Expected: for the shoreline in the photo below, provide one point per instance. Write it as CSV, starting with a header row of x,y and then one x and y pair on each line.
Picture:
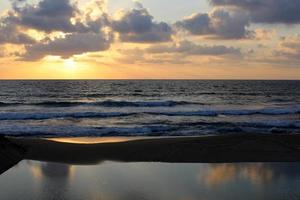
x,y
205,149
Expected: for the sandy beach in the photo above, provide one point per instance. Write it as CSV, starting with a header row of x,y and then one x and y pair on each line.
x,y
206,149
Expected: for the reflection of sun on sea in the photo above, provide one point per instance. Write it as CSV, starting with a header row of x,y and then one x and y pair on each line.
x,y
70,64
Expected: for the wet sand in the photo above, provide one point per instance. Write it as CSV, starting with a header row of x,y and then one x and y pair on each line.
x,y
207,149
10,154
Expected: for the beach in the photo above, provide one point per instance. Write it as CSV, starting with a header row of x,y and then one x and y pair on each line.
x,y
205,149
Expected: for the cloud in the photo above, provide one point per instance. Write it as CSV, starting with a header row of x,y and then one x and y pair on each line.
x,y
141,56
266,11
47,15
10,34
188,48
56,15
87,35
2,54
72,44
263,34
137,26
177,54
289,49
285,54
219,24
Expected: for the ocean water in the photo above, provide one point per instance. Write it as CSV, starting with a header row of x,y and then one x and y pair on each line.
x,y
148,108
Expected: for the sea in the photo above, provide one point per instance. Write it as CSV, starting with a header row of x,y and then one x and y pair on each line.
x,y
103,108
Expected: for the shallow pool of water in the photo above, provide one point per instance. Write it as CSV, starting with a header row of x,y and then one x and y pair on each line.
x,y
113,180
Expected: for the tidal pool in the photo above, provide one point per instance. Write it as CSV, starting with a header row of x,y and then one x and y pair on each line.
x,y
114,180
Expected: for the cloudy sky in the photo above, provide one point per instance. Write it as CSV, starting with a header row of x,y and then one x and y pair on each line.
x,y
178,39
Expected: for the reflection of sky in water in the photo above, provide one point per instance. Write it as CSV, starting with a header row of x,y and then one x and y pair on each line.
x,y
40,180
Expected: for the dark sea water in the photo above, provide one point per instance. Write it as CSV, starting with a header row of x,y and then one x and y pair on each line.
x,y
148,108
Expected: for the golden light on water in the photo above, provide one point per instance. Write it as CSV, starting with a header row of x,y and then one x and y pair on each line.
x,y
93,140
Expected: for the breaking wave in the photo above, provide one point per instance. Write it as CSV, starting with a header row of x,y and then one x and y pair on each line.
x,y
207,113
107,103
180,129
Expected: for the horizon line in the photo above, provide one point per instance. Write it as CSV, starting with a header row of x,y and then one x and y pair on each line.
x,y
148,79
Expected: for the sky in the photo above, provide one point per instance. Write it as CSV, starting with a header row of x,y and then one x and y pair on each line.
x,y
149,39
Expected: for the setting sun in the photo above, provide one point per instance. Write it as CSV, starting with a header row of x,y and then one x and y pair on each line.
x,y
70,64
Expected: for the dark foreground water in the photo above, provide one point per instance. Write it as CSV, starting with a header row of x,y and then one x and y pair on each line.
x,y
143,108
137,181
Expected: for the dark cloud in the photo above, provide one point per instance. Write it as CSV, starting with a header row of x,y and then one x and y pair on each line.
x,y
220,24
138,26
54,15
47,15
189,48
198,24
73,44
266,11
10,34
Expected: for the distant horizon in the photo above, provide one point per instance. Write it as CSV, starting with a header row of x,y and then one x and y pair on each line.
x,y
150,79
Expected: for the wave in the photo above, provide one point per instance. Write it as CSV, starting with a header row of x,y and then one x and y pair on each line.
x,y
2,104
258,124
233,112
276,124
107,103
110,103
52,115
181,129
76,131
204,113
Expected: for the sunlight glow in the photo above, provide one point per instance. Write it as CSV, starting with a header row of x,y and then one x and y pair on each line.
x,y
70,64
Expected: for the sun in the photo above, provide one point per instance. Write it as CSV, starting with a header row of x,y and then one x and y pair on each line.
x,y
70,64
